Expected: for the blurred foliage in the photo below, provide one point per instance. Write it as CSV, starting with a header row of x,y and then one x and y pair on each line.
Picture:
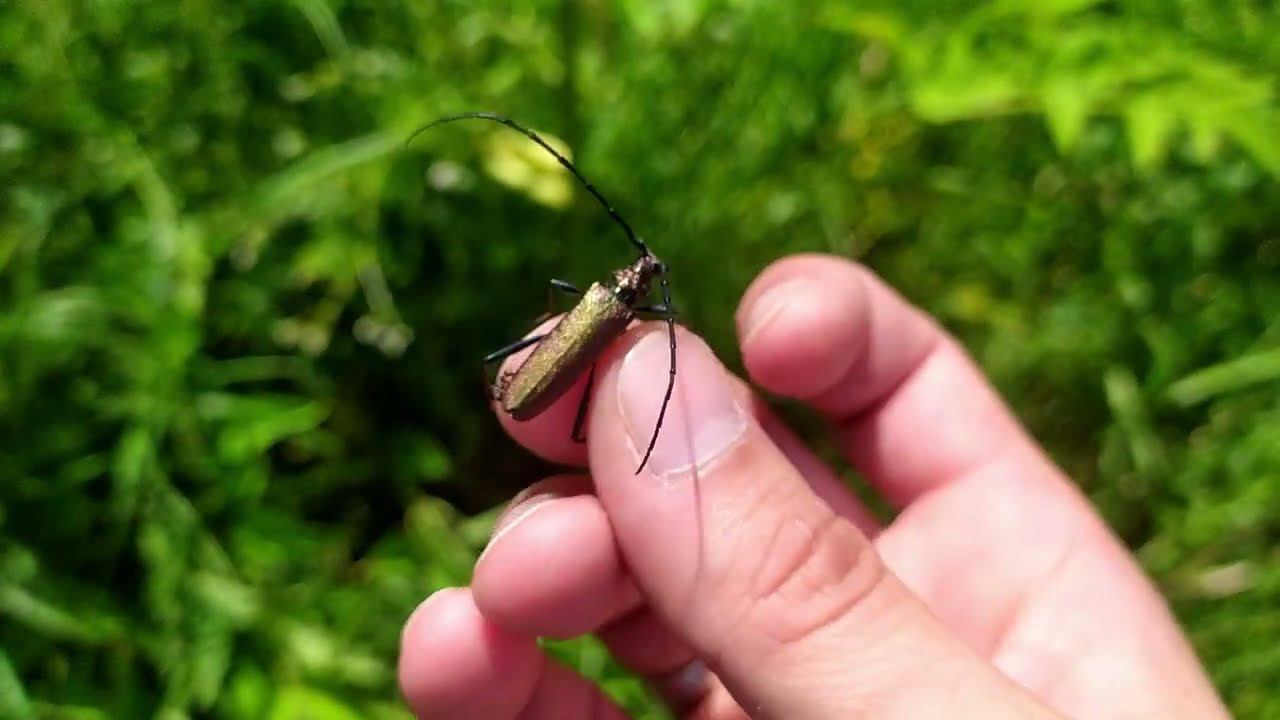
x,y
243,428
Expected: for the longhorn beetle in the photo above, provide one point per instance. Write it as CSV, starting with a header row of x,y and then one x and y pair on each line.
x,y
601,315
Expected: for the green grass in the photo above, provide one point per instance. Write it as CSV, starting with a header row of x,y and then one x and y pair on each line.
x,y
239,390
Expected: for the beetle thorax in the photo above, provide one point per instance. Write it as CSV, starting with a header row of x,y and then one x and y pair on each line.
x,y
632,282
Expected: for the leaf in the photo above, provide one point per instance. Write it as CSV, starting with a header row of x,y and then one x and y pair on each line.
x,y
422,457
952,81
298,702
47,619
210,653
1151,124
1230,376
872,25
248,693
228,598
1125,398
249,424
50,711
283,194
331,256
657,19
388,711
1066,108
133,458
326,657
1259,133
13,697
513,161
325,24
1206,136
62,316
1044,9
430,524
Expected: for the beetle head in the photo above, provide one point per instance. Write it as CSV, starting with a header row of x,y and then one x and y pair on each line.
x,y
632,282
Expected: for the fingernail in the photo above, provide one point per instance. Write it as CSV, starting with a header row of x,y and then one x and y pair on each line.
x,y
767,308
519,512
416,616
702,419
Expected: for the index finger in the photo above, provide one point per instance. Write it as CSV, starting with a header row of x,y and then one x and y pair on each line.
x,y
912,410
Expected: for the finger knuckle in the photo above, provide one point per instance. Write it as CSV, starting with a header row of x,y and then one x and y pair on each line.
x,y
817,568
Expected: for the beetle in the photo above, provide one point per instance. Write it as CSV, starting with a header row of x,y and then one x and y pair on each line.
x,y
602,314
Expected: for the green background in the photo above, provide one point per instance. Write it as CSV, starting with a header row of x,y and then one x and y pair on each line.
x,y
242,427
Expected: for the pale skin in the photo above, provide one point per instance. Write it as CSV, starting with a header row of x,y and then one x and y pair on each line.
x,y
997,592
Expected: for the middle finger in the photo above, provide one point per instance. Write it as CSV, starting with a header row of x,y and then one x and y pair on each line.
x,y
552,567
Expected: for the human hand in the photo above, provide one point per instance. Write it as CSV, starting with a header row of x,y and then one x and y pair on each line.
x,y
739,575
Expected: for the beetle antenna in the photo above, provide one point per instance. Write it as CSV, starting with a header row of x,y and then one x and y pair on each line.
x,y
671,377
631,235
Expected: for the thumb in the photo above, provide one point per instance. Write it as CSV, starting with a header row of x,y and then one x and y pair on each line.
x,y
787,602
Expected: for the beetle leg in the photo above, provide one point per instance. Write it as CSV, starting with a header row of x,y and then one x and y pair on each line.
x,y
563,286
512,349
580,419
660,311
495,388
